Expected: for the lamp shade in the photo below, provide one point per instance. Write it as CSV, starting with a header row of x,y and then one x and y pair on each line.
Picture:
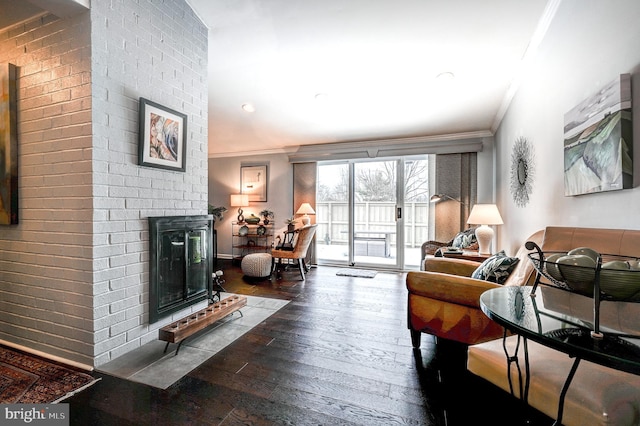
x,y
305,208
485,214
239,200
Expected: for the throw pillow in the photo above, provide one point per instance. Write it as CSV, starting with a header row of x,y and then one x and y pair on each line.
x,y
464,239
496,268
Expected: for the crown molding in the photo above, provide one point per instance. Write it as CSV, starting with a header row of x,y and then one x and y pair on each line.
x,y
420,145
525,64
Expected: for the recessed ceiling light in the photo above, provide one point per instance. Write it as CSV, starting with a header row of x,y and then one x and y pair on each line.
x,y
448,75
248,108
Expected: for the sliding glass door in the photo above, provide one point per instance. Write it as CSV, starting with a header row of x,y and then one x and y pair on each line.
x,y
361,212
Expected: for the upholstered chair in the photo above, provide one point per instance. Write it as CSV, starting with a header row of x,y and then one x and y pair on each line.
x,y
463,240
299,253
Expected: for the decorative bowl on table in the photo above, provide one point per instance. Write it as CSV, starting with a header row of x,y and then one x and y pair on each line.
x,y
453,250
252,220
579,272
618,281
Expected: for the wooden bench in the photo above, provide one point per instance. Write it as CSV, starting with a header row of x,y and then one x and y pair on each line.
x,y
178,331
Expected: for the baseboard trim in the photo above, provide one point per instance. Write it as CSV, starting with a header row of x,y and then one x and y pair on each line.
x,y
46,355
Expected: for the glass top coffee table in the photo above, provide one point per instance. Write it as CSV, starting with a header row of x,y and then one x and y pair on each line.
x,y
564,321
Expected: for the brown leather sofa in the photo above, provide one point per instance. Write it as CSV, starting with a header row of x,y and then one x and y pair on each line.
x,y
443,301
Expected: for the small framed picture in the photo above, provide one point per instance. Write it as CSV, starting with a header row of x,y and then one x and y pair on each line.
x,y
253,181
163,137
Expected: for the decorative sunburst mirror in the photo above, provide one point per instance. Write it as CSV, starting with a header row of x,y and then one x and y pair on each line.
x,y
522,170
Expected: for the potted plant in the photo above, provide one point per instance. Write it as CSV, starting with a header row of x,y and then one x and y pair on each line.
x,y
291,224
267,215
216,212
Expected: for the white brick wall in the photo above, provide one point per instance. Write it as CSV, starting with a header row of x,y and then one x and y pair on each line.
x,y
156,50
46,261
74,273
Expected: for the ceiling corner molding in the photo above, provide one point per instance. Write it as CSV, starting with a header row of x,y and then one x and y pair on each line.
x,y
63,8
286,151
199,15
538,35
381,148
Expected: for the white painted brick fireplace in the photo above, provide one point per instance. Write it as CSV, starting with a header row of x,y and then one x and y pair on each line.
x,y
74,272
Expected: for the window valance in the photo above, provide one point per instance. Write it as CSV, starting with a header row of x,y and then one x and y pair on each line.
x,y
389,148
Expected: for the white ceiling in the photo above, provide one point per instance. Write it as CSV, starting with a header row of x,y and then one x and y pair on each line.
x,y
374,61
373,64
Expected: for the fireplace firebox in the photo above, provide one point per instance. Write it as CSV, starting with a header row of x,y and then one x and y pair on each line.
x,y
181,263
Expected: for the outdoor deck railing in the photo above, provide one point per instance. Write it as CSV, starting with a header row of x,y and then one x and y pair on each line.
x,y
332,218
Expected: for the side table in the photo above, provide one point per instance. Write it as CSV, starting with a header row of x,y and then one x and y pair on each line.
x,y
467,255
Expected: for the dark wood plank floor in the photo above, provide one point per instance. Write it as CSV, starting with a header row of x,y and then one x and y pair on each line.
x,y
338,354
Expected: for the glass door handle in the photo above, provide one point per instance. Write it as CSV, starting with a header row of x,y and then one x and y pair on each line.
x,y
398,213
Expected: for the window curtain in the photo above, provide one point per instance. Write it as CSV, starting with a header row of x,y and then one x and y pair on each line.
x,y
456,176
304,191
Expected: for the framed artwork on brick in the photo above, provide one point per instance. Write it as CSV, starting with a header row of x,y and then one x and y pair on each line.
x,y
8,146
163,137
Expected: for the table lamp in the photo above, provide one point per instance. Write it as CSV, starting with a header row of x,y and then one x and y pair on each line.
x,y
306,209
484,215
240,201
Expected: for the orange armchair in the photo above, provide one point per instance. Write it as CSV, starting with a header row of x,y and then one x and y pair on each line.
x,y
444,301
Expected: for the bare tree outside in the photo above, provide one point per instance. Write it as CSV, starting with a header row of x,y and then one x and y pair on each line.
x,y
333,183
416,174
376,182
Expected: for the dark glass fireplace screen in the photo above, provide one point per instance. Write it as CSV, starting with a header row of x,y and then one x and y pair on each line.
x,y
180,263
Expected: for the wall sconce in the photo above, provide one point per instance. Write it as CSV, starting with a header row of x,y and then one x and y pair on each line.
x,y
240,201
484,215
306,209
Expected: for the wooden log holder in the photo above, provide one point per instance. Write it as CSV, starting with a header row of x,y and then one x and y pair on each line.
x,y
178,331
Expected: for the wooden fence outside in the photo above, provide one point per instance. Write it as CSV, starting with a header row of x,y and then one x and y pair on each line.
x,y
332,218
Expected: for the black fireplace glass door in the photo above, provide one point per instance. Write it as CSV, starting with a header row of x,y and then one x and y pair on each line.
x,y
197,262
171,273
180,263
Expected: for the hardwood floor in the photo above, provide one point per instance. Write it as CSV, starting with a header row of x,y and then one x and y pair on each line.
x,y
338,354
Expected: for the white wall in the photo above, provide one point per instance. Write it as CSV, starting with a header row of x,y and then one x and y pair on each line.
x,y
589,43
224,180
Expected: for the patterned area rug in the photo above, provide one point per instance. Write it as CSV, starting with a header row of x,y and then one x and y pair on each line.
x,y
25,379
348,272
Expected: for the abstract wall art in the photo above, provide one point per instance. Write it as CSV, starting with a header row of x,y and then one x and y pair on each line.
x,y
163,137
253,181
598,142
8,146
522,171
